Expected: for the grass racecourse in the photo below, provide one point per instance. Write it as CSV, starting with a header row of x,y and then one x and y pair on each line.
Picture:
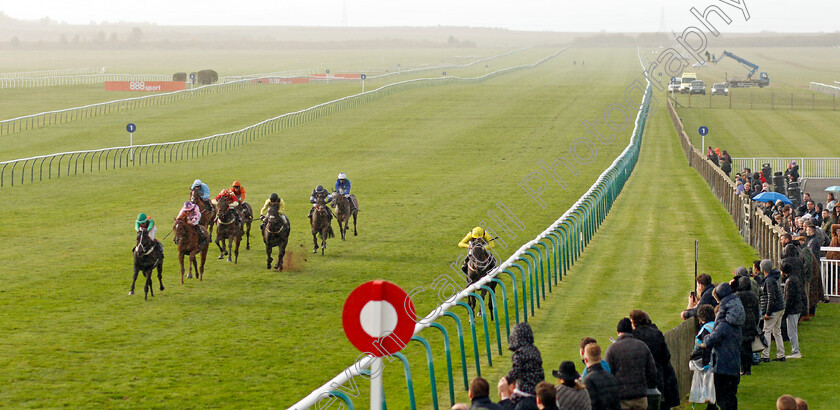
x,y
426,165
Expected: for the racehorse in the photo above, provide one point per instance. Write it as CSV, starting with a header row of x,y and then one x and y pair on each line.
x,y
247,217
343,213
189,244
208,212
147,257
478,264
321,223
275,234
230,230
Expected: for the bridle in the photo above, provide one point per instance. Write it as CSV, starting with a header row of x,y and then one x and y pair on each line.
x,y
232,218
271,220
142,233
475,263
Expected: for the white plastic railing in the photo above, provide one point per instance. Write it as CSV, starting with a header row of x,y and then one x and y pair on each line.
x,y
54,72
830,270
825,88
814,168
50,81
356,369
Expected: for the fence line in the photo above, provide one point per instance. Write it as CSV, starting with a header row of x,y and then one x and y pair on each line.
x,y
282,74
830,269
814,168
51,81
760,99
55,72
825,88
562,242
138,155
44,119
755,227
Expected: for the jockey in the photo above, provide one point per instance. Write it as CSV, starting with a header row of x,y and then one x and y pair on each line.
x,y
232,200
148,223
193,216
237,190
342,186
476,233
203,191
274,199
319,193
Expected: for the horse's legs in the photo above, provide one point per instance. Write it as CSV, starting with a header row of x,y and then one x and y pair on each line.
x,y
181,259
315,241
193,263
160,274
221,249
200,273
147,286
248,236
323,241
228,242
354,224
268,259
237,239
131,292
281,248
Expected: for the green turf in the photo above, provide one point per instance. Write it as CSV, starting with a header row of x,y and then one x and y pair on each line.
x,y
426,166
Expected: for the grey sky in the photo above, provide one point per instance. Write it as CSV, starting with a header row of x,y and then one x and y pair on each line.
x,y
551,15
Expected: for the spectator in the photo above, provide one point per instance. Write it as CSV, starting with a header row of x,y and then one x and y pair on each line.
x,y
778,220
747,188
801,404
570,393
706,317
546,396
814,286
633,367
512,398
704,282
583,343
527,361
772,308
757,275
815,242
786,402
827,221
726,163
700,359
739,187
795,307
601,385
749,300
725,342
803,206
754,286
790,254
666,378
480,396
792,173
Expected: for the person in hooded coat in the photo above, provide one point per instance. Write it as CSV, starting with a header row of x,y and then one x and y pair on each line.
x,y
725,342
527,362
742,288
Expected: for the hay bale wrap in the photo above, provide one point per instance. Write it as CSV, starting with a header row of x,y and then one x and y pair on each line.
x,y
179,77
206,77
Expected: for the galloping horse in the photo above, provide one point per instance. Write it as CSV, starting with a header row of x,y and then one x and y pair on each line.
x,y
247,217
276,233
478,264
343,213
321,223
208,214
230,230
189,244
147,257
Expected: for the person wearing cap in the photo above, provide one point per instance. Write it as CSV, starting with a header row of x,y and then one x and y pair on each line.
x,y
476,234
203,191
342,187
238,191
192,215
143,221
600,384
570,393
273,199
233,201
633,366
725,342
317,194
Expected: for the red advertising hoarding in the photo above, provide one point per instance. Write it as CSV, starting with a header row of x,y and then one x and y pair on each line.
x,y
145,85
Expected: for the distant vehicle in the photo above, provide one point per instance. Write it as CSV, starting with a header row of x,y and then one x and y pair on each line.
x,y
720,89
687,78
763,78
674,86
697,87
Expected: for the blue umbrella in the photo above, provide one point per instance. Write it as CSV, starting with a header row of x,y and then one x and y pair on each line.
x,y
834,188
772,197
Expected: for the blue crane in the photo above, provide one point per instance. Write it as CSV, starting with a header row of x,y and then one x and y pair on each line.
x,y
763,80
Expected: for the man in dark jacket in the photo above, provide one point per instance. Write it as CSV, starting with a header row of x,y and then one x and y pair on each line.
x,y
704,281
601,385
512,398
750,328
795,307
725,342
772,306
480,395
666,378
633,367
527,362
